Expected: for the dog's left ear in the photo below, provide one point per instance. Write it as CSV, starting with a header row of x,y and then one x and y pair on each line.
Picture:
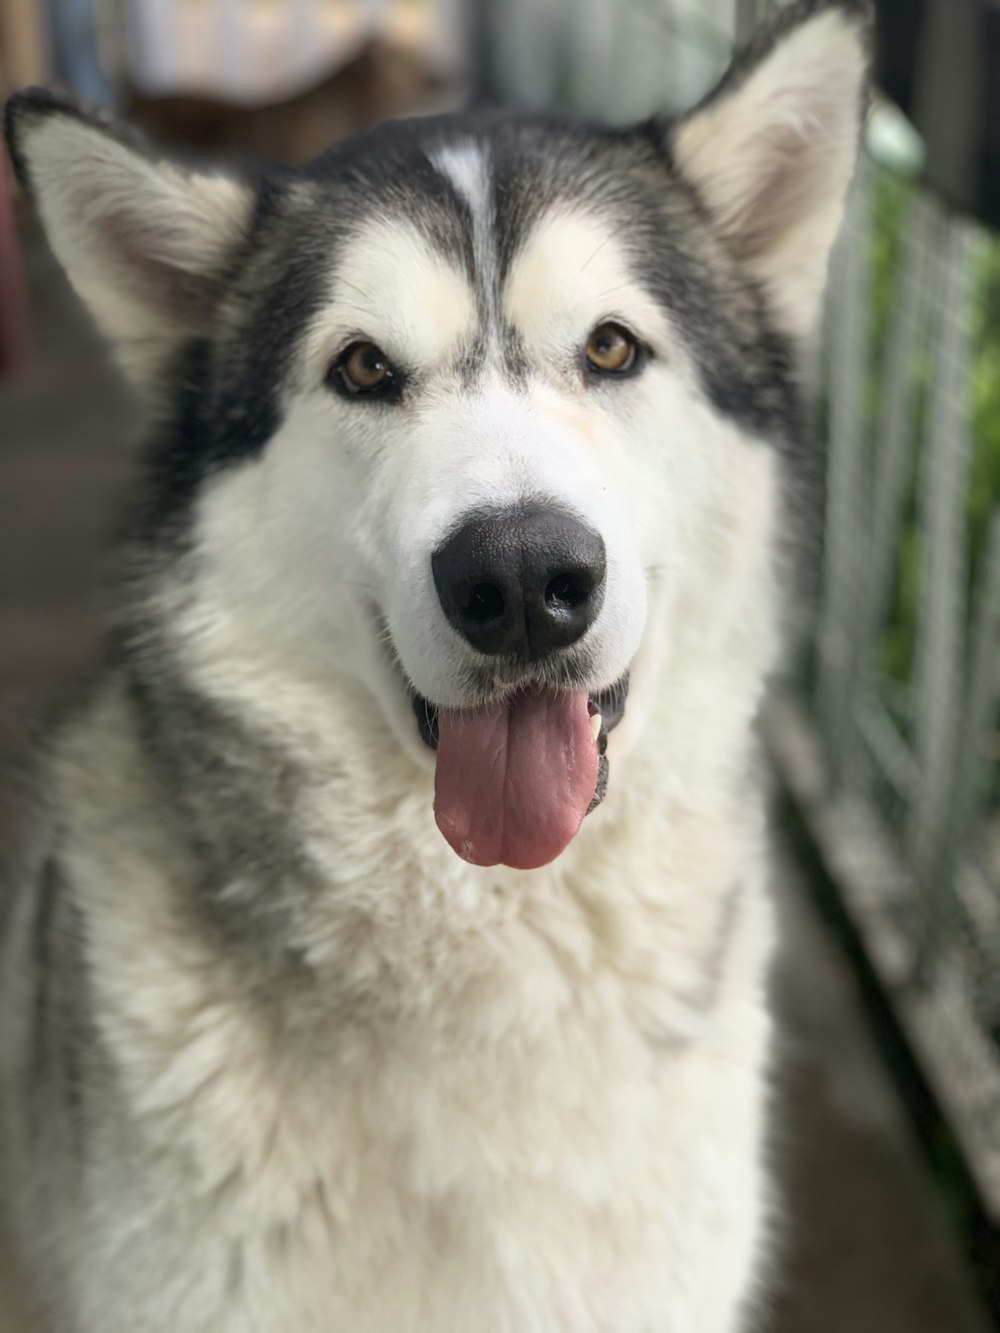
x,y
143,239
772,150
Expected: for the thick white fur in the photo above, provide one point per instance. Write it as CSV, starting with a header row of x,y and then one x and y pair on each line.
x,y
515,1116
522,1103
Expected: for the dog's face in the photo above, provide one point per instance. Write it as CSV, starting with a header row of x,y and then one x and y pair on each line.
x,y
477,409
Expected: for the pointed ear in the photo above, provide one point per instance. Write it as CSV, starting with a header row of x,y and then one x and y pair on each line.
x,y
772,150
143,240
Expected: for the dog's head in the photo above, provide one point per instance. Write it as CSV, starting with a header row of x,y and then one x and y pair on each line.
x,y
478,408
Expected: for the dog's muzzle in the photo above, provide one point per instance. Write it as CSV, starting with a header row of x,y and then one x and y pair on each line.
x,y
517,773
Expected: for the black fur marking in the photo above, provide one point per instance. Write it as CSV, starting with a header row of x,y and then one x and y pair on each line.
x,y
601,789
225,391
388,173
49,885
232,792
516,365
48,893
472,362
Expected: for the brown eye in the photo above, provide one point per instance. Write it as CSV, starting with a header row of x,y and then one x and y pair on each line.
x,y
610,350
363,370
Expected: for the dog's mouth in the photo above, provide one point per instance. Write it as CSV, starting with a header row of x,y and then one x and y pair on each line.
x,y
515,778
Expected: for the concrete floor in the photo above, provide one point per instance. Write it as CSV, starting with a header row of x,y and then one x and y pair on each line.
x,y
864,1248
866,1244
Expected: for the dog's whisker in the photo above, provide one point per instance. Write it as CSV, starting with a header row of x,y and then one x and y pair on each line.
x,y
610,291
588,262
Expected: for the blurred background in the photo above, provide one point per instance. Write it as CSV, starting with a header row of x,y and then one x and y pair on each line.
x,y
886,735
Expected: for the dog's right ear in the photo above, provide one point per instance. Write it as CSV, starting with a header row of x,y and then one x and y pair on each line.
x,y
772,149
143,240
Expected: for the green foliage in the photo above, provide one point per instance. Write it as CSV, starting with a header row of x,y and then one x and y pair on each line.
x,y
984,472
891,200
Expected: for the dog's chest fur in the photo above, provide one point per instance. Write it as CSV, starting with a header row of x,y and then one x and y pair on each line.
x,y
500,1193
509,1114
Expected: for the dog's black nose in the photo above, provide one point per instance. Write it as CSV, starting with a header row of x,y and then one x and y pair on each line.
x,y
525,581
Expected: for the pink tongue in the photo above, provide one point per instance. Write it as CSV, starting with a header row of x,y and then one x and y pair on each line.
x,y
514,781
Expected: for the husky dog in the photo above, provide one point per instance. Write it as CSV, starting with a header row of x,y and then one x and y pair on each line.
x,y
388,951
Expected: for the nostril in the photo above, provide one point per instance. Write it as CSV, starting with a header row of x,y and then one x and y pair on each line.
x,y
569,591
484,603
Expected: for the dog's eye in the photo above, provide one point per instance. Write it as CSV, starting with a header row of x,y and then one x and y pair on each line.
x,y
362,371
611,350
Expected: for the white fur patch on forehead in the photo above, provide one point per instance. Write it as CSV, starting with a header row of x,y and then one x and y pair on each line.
x,y
392,286
467,167
571,274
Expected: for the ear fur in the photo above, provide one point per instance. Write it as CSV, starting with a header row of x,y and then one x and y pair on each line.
x,y
771,151
143,239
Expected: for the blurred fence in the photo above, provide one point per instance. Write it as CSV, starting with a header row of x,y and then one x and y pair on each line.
x,y
894,737
906,694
